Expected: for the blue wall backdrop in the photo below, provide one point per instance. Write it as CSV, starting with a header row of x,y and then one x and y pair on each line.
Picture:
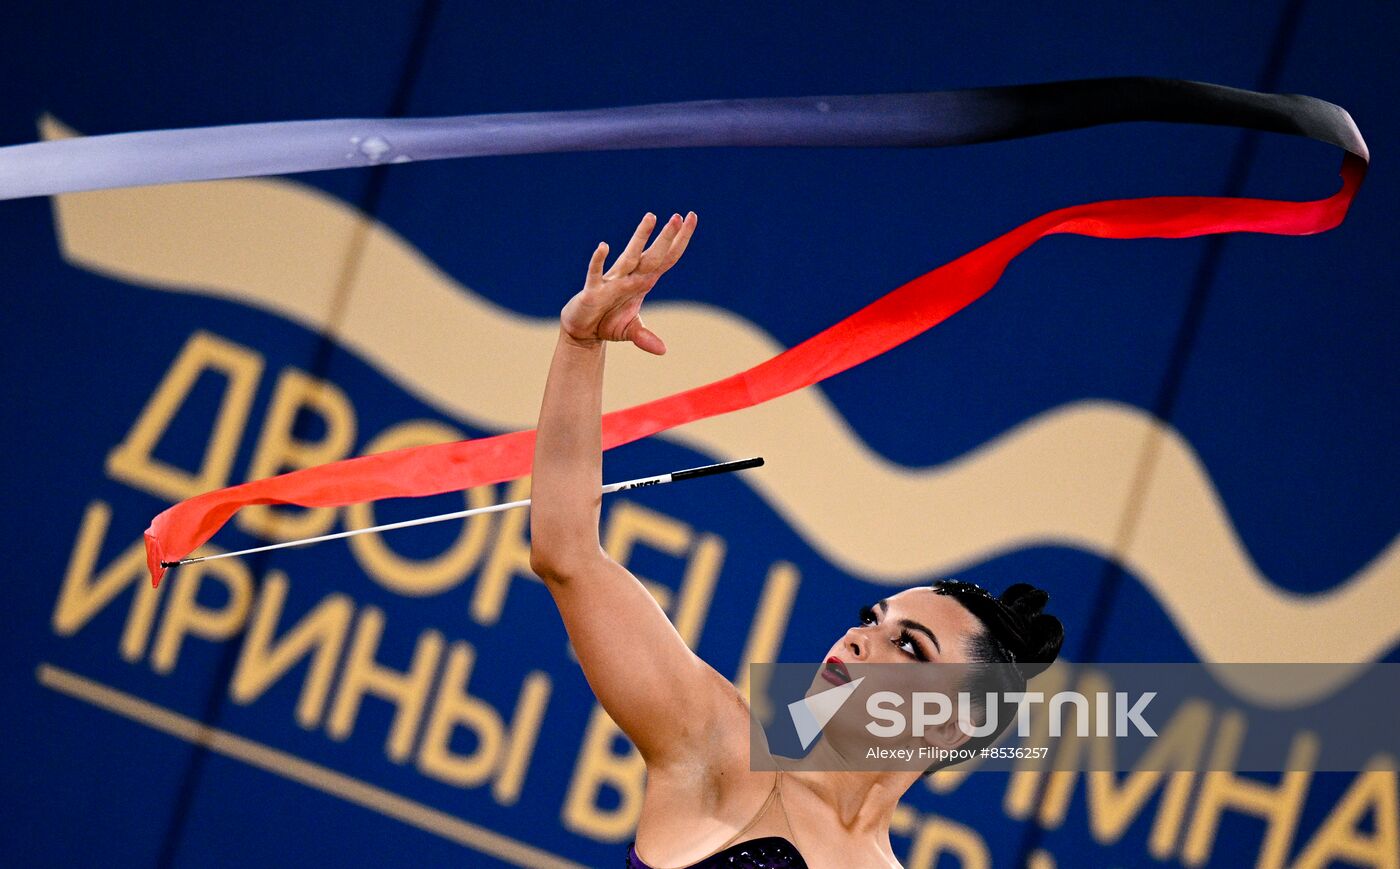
x,y
1189,443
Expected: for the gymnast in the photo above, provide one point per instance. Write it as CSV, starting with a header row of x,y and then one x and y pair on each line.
x,y
705,805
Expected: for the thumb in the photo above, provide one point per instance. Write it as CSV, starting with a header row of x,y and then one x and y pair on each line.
x,y
646,339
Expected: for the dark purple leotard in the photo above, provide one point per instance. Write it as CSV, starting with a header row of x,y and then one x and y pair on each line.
x,y
770,852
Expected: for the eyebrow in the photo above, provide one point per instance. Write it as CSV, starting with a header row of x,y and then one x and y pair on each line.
x,y
915,626
911,625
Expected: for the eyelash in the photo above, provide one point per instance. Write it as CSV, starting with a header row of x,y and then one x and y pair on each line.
x,y
868,617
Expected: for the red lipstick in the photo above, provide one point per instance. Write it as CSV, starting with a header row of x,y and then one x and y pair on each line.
x,y
835,671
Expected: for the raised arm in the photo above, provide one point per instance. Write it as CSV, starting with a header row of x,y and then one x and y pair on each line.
x,y
656,689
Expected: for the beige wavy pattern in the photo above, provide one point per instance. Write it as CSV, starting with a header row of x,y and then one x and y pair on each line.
x,y
1063,477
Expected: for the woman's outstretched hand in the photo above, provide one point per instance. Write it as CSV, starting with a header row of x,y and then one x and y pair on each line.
x,y
608,308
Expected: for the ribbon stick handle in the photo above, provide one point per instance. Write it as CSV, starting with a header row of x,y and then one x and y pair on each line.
x,y
721,468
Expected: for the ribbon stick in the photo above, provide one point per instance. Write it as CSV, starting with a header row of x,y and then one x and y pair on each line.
x,y
608,489
898,120
932,119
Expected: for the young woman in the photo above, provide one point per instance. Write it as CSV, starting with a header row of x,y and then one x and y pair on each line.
x,y
704,805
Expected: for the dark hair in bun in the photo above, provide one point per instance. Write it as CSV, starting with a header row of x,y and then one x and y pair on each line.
x,y
1016,632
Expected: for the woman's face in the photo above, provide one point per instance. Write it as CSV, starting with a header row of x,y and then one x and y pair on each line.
x,y
912,627
915,625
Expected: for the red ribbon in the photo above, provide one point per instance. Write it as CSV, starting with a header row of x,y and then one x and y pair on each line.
x,y
882,325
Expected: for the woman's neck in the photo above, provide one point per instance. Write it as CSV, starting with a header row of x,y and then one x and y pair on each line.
x,y
862,800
